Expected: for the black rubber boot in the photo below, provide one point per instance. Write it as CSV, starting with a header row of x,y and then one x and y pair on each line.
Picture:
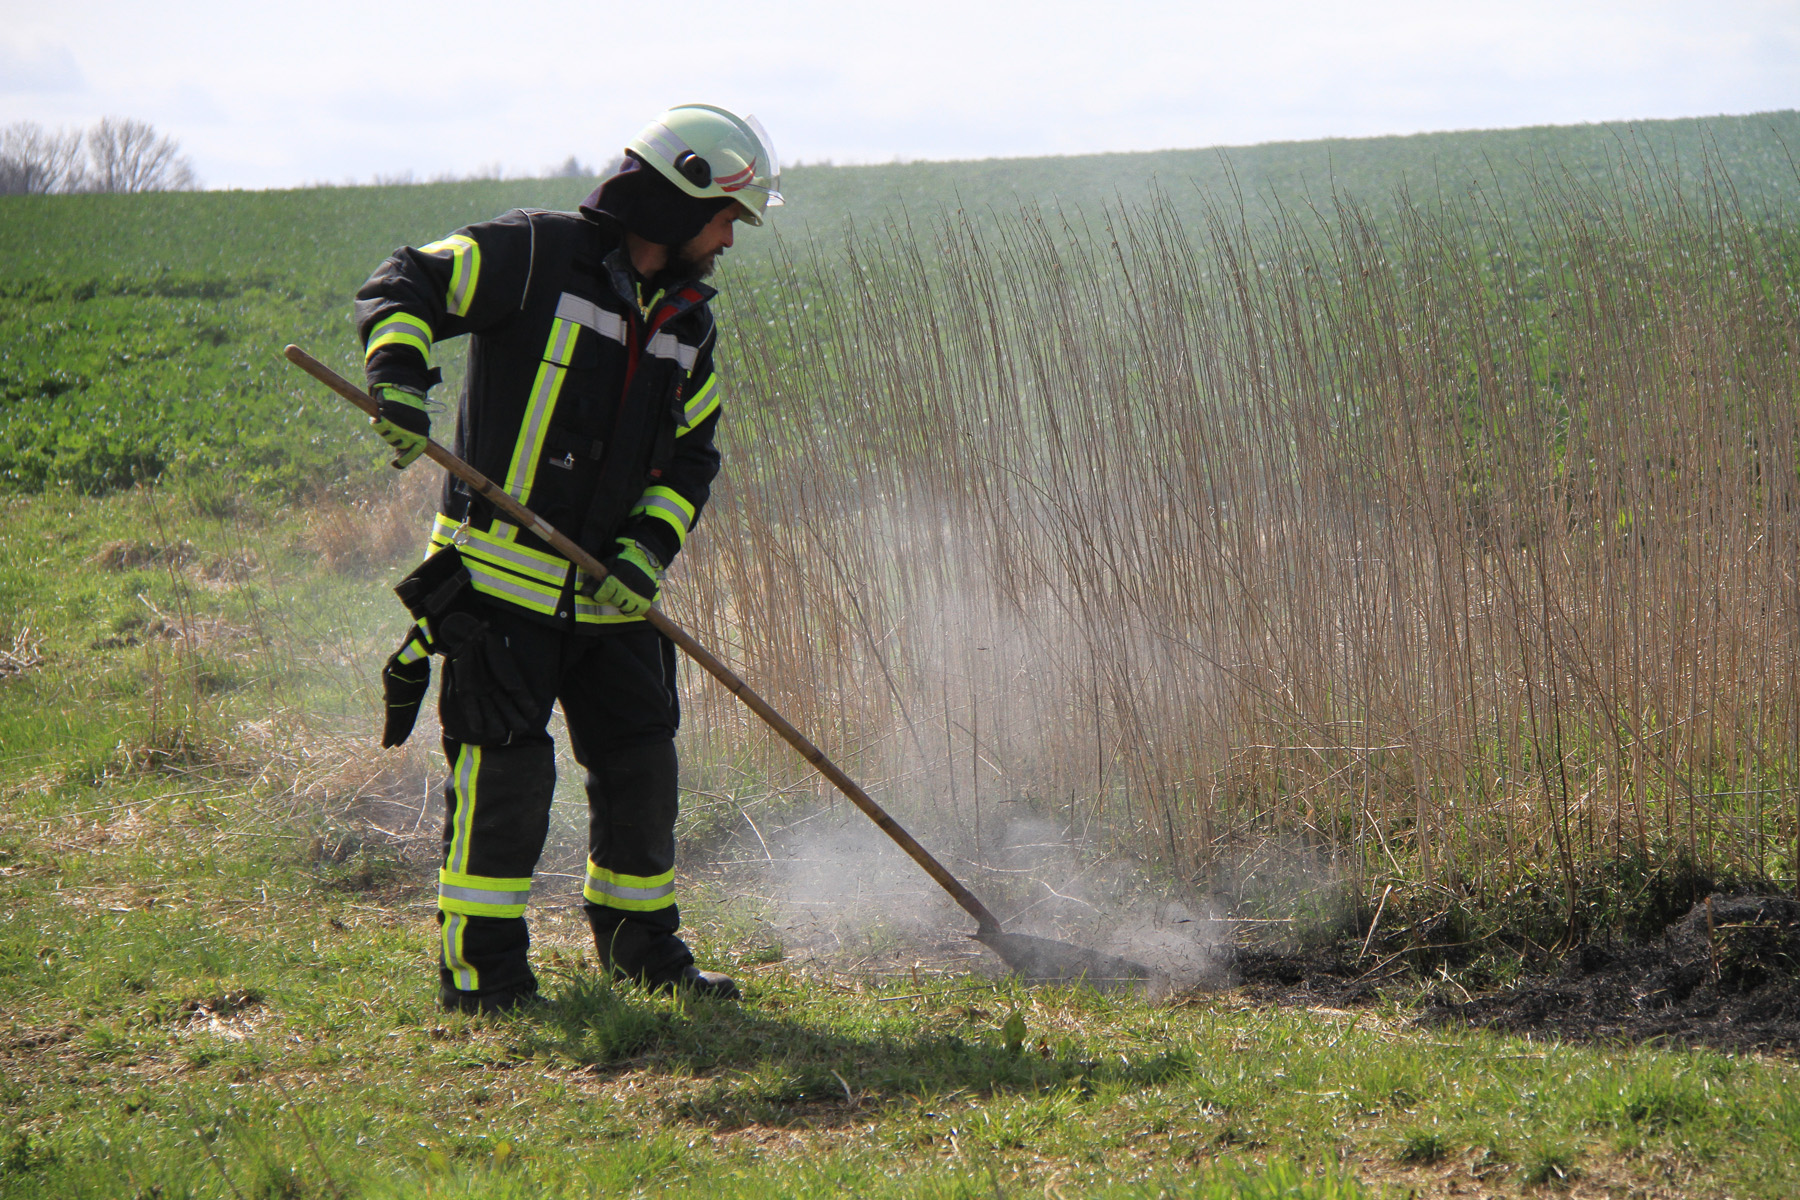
x,y
708,983
451,1000
637,951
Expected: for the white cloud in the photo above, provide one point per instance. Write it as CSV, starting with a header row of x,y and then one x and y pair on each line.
x,y
35,69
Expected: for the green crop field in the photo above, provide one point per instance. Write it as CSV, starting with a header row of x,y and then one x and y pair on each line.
x,y
1375,553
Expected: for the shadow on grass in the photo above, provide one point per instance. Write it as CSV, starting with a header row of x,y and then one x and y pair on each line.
x,y
764,1069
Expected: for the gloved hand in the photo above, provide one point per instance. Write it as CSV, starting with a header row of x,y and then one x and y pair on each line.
x,y
633,578
485,700
404,682
403,422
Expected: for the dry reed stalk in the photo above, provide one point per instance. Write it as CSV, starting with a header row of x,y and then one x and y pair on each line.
x,y
1459,546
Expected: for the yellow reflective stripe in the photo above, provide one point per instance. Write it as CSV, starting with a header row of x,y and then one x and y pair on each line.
x,y
482,896
465,269
700,406
526,593
488,882
561,347
462,824
544,390
634,893
671,506
462,971
413,651
400,329
502,552
592,612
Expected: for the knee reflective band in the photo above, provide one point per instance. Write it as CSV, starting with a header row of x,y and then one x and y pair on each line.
x,y
632,893
481,895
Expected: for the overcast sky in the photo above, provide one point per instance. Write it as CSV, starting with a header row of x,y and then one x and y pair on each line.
x,y
263,95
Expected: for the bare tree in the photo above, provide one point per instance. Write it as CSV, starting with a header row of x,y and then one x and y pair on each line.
x,y
34,161
128,156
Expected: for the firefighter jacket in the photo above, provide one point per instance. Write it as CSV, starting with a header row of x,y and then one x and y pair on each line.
x,y
592,411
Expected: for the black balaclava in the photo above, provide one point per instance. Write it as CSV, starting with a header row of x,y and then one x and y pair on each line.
x,y
641,199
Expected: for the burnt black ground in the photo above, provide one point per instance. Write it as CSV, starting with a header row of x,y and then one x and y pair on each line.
x,y
1731,981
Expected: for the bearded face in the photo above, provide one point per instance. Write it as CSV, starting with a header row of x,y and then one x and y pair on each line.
x,y
694,261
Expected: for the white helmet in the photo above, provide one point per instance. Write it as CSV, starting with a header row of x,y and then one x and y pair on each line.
x,y
710,153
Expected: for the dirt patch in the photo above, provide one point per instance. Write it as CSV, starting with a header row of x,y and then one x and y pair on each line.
x,y
1726,975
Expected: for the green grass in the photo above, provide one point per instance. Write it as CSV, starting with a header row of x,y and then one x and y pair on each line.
x,y
141,334
219,982
217,972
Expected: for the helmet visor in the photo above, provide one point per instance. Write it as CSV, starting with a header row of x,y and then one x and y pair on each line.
x,y
773,174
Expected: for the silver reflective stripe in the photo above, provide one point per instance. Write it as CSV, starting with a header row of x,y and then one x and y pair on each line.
x,y
412,326
665,345
586,312
663,504
620,891
664,141
702,400
482,896
531,440
458,966
562,342
587,608
487,547
493,580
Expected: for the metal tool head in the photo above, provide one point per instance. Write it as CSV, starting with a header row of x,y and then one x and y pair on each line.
x,y
1041,960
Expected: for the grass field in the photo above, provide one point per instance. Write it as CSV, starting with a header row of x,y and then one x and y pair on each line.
x,y
217,978
1423,559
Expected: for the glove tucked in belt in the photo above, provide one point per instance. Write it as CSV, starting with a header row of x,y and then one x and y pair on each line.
x,y
404,681
485,699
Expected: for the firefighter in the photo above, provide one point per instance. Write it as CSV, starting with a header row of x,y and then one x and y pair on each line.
x,y
591,398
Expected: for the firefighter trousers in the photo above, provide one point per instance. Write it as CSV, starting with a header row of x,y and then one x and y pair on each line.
x,y
617,691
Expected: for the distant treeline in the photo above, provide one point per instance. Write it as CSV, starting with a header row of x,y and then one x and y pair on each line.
x,y
116,155
570,168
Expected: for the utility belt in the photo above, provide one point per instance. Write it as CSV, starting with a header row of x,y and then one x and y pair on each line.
x,y
536,580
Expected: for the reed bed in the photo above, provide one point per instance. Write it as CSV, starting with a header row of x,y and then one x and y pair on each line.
x,y
1458,550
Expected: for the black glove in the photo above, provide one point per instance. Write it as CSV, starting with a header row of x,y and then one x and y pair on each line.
x,y
484,700
404,681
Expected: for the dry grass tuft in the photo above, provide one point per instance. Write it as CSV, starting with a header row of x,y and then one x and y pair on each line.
x,y
21,655
133,555
363,534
